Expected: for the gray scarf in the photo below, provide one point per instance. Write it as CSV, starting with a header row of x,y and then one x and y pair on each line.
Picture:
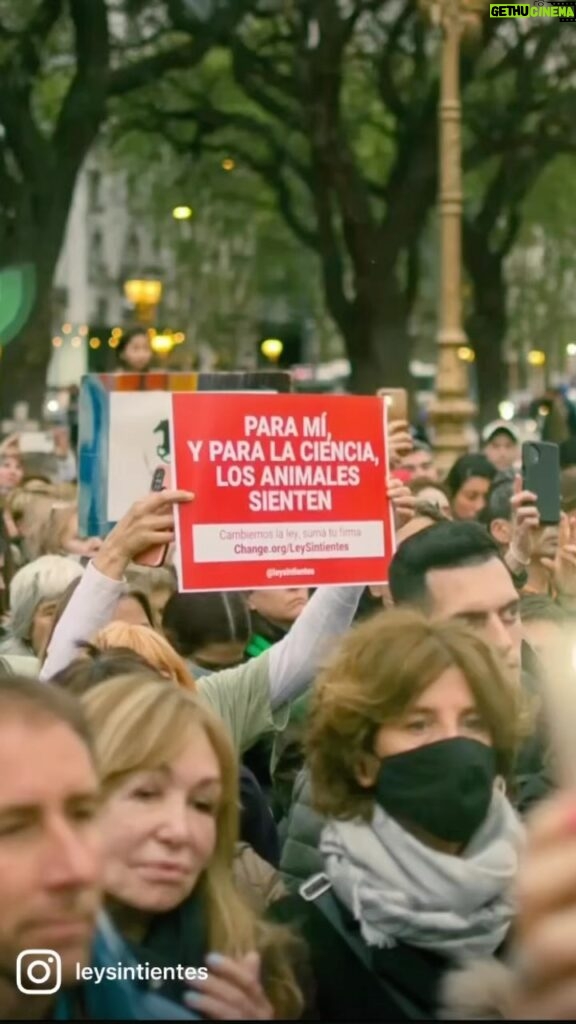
x,y
398,889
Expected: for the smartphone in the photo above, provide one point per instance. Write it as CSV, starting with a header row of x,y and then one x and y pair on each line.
x,y
156,556
396,403
541,475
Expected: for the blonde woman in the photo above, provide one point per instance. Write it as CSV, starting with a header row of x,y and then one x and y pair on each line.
x,y
59,533
169,826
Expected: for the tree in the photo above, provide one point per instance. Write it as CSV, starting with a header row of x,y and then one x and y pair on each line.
x,y
334,106
519,118
540,271
337,113
61,63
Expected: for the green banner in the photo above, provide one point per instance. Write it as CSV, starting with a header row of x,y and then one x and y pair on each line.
x,y
17,295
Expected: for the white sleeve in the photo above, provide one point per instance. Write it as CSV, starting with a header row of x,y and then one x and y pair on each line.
x,y
296,659
90,608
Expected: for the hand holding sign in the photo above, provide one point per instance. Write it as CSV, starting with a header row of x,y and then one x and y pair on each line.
x,y
147,524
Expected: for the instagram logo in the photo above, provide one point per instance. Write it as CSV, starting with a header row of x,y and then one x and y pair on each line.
x,y
38,972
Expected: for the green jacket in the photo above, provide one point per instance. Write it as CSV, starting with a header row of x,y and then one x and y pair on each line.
x,y
301,857
257,645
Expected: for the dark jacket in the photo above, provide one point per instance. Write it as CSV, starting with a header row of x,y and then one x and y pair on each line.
x,y
380,984
180,937
258,758
301,856
257,825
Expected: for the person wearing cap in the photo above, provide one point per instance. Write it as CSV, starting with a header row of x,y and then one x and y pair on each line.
x,y
501,444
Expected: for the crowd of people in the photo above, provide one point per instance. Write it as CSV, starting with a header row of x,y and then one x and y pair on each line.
x,y
339,805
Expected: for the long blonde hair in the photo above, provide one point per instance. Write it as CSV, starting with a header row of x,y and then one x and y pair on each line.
x,y
140,723
54,528
151,646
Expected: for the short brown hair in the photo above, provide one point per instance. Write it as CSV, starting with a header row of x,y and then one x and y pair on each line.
x,y
35,701
381,667
422,483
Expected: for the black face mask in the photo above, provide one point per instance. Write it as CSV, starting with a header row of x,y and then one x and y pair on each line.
x,y
444,788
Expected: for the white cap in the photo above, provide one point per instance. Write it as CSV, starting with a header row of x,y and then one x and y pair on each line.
x,y
499,427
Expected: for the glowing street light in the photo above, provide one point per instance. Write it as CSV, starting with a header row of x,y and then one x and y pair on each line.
x,y
182,212
162,344
466,354
272,348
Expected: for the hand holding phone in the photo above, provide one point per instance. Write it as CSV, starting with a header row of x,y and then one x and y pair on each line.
x,y
541,475
155,557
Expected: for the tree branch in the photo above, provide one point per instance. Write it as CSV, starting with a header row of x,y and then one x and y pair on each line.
x,y
30,148
271,172
243,68
391,96
412,274
83,108
217,31
44,19
134,76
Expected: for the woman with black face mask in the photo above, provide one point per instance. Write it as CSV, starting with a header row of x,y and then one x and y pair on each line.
x,y
413,730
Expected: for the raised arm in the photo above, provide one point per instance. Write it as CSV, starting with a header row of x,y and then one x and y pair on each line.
x,y
294,661
149,523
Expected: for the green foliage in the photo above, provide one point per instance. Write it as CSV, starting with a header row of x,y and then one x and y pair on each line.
x,y
540,271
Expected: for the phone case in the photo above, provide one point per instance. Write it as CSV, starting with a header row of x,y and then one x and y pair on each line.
x,y
155,557
396,402
541,475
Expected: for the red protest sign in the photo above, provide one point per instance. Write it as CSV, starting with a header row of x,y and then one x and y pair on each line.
x,y
290,490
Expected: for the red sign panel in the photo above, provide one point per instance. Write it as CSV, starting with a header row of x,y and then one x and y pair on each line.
x,y
291,490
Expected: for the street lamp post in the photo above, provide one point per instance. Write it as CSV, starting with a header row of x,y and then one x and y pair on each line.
x,y
452,410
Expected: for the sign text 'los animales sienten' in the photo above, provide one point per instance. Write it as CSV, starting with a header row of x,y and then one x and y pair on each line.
x,y
290,490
